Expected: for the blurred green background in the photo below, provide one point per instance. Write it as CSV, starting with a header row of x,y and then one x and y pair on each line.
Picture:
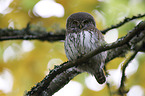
x,y
24,63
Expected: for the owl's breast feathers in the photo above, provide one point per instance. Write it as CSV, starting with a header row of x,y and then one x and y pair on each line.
x,y
80,43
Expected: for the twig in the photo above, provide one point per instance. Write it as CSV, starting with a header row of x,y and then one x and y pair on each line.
x,y
123,22
121,90
109,89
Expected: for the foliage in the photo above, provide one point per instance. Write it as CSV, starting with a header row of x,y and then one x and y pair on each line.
x,y
28,65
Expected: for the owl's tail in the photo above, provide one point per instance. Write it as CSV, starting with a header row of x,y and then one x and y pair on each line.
x,y
100,76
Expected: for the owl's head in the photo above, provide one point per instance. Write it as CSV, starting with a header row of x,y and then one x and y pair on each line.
x,y
80,20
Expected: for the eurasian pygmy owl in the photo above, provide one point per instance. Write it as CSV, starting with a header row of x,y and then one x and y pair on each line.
x,y
82,37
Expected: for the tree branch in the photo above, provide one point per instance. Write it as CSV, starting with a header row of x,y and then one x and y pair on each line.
x,y
121,89
62,74
134,36
123,22
28,34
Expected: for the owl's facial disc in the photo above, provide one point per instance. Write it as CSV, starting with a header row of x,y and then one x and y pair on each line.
x,y
81,24
80,20
77,24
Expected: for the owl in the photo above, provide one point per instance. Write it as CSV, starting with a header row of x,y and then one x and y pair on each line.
x,y
82,37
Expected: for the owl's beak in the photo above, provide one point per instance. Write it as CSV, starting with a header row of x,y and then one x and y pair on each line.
x,y
80,26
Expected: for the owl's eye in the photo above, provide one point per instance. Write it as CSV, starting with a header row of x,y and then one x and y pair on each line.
x,y
86,22
74,24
